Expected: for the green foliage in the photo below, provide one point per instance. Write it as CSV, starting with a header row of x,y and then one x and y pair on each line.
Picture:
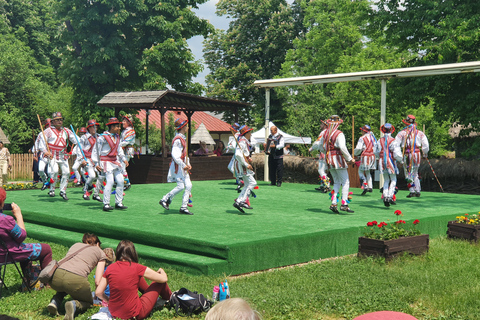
x,y
23,94
335,43
435,32
253,47
126,45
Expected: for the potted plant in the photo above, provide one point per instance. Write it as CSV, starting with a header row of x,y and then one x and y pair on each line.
x,y
465,227
390,239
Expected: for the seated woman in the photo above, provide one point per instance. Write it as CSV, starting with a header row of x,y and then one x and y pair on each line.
x,y
219,148
126,278
13,233
72,276
203,150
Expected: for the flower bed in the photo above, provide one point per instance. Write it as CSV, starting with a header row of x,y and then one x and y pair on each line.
x,y
390,239
465,227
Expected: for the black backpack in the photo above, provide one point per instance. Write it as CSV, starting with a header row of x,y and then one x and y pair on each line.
x,y
187,302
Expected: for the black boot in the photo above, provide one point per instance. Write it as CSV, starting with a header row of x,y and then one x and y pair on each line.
x,y
345,208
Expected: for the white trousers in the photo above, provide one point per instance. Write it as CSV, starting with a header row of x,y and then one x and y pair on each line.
x,y
340,179
389,184
3,172
182,184
250,183
115,175
366,176
54,166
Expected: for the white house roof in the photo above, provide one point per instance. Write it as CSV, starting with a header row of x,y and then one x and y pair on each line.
x,y
258,137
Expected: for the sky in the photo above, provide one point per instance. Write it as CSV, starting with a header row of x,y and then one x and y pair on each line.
x,y
206,11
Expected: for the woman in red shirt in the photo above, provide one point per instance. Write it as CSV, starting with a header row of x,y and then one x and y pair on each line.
x,y
126,277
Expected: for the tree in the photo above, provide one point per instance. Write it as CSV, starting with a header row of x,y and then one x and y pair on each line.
x,y
114,45
253,47
334,42
23,94
435,32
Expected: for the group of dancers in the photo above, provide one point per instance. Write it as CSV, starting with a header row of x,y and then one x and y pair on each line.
x,y
101,158
407,149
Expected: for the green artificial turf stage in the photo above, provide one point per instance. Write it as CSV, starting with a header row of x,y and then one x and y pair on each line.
x,y
288,225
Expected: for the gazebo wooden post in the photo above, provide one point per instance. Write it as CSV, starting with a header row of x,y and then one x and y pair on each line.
x,y
163,111
147,113
189,136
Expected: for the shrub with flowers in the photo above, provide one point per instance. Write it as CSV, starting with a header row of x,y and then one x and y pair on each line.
x,y
469,219
19,186
391,230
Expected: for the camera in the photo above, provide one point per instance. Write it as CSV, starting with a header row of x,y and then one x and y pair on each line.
x,y
7,207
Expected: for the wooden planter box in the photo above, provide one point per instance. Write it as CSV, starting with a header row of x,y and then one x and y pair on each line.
x,y
390,248
463,231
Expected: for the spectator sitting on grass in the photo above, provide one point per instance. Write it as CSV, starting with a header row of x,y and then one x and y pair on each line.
x,y
126,277
232,309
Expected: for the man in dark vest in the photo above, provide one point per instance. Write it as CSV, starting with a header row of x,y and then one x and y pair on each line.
x,y
274,149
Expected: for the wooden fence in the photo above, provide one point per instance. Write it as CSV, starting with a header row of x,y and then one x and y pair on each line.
x,y
22,165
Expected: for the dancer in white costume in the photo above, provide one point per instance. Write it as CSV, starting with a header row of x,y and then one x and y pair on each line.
x,y
127,143
414,145
388,153
57,138
364,149
179,169
332,143
107,156
88,143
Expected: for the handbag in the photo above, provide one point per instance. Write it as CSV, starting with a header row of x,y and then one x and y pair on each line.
x,y
47,273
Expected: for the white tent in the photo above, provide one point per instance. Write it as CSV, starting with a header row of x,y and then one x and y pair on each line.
x,y
259,136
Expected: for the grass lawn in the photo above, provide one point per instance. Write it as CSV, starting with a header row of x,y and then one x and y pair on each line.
x,y
443,284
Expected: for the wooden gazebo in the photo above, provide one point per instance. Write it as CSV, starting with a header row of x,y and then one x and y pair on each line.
x,y
153,169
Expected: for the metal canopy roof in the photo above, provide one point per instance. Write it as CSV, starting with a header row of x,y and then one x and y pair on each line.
x,y
169,99
441,69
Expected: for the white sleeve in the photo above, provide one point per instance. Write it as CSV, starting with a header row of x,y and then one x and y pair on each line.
x,y
177,153
341,144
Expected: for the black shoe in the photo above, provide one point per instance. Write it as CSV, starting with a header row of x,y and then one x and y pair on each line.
x,y
120,206
86,197
411,194
63,195
239,188
344,207
391,201
78,184
245,205
97,197
128,186
107,207
370,190
164,204
44,186
333,207
185,211
279,184
51,193
417,194
237,205
365,190
386,202
321,188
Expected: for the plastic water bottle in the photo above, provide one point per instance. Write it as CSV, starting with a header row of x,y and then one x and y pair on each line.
x,y
227,289
222,295
216,291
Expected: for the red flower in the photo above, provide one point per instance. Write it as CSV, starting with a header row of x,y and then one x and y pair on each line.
x,y
374,222
369,224
466,214
416,222
380,225
398,212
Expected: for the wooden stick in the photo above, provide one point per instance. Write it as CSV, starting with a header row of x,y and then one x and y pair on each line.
x,y
43,133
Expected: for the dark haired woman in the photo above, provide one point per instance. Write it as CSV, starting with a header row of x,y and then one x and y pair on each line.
x,y
126,277
72,276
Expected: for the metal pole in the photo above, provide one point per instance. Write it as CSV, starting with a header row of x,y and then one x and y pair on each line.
x,y
267,121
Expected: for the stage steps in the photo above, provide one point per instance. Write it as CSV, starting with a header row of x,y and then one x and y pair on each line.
x,y
187,262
